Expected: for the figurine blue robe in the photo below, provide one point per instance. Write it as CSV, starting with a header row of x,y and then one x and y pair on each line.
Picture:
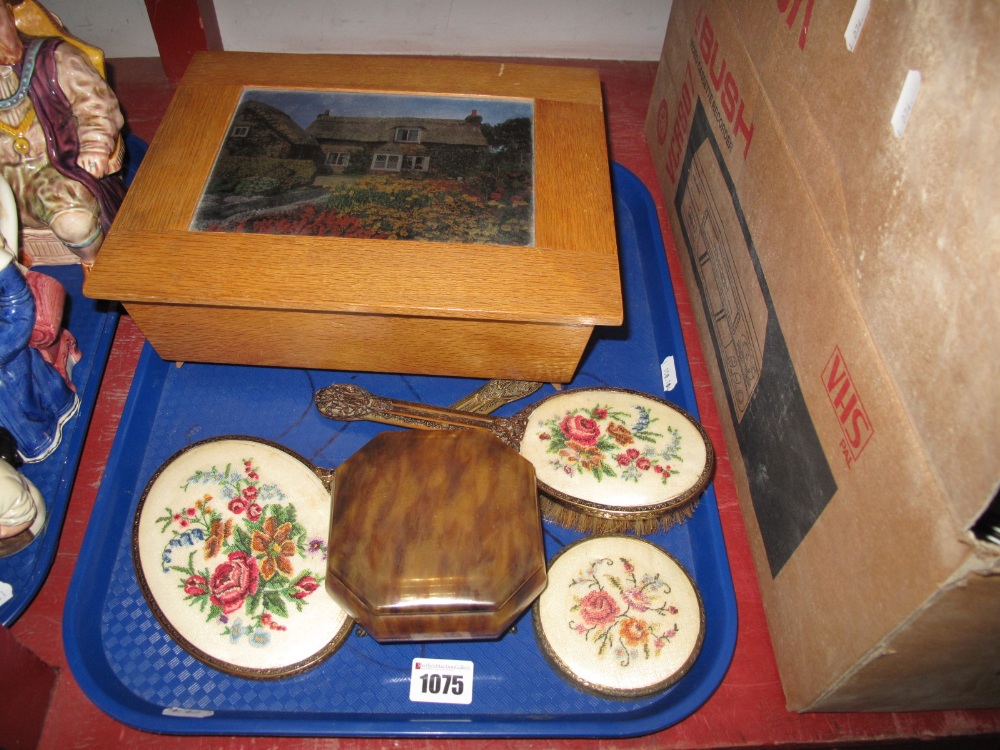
x,y
35,400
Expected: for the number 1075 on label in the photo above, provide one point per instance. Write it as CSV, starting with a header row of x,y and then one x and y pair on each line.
x,y
441,681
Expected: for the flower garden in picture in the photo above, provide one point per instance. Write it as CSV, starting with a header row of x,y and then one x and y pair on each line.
x,y
394,208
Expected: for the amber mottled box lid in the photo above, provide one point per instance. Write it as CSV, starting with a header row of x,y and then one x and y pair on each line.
x,y
429,216
435,536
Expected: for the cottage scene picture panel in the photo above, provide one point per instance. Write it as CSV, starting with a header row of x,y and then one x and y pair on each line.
x,y
375,166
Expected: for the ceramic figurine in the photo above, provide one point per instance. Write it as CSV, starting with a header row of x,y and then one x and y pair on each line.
x,y
59,134
36,398
22,508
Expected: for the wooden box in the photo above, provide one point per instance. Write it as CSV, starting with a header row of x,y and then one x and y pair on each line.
x,y
522,310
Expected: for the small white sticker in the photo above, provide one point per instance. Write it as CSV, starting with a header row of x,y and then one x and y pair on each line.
x,y
907,98
668,372
441,681
856,23
6,593
187,713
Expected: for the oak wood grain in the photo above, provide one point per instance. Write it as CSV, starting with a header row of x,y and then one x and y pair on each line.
x,y
189,289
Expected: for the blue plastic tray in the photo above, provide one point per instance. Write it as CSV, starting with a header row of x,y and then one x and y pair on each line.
x,y
127,664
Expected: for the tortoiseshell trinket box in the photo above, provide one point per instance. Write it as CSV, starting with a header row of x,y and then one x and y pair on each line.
x,y
435,536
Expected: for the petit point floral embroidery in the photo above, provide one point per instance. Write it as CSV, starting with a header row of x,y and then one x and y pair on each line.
x,y
608,443
241,558
626,613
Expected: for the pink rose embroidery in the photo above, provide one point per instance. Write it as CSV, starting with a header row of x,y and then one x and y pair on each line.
x,y
636,599
196,586
233,581
610,617
599,608
305,586
580,429
243,554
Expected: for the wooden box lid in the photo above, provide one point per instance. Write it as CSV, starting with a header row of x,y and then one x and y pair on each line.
x,y
568,276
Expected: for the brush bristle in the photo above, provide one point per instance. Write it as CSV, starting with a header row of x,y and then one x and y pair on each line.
x,y
568,518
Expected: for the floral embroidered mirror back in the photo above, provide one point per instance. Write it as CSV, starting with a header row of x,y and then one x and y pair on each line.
x,y
230,546
621,450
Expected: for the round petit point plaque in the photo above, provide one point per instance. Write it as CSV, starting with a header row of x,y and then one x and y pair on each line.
x,y
230,546
620,617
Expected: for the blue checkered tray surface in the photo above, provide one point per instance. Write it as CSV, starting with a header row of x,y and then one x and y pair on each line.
x,y
128,665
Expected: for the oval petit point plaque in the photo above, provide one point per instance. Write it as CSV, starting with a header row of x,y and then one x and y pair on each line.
x,y
230,546
617,452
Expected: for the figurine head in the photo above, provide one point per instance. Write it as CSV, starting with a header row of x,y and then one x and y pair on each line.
x,y
11,47
17,501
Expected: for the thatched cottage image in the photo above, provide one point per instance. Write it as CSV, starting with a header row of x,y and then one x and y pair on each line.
x,y
374,166
400,144
260,130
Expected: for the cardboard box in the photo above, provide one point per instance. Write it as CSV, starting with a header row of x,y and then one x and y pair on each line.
x,y
835,216
369,300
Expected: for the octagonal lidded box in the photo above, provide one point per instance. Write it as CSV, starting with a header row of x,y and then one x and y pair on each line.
x,y
435,536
